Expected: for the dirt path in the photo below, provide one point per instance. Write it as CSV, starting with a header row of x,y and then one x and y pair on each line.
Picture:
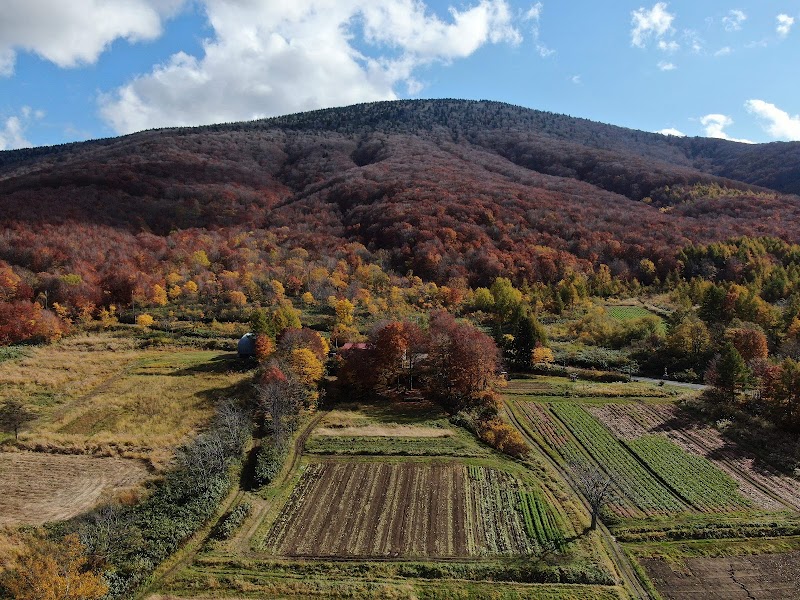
x,y
620,559
186,555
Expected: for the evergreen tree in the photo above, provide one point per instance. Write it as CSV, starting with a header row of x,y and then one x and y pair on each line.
x,y
528,333
731,372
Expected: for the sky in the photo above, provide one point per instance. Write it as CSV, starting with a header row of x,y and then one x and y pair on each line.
x,y
82,69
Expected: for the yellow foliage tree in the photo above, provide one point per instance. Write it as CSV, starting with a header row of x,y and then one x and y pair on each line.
x,y
307,369
144,320
190,288
54,571
308,299
159,296
345,311
175,292
542,354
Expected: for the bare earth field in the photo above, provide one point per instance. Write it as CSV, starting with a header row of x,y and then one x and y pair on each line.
x,y
36,488
373,509
761,577
403,431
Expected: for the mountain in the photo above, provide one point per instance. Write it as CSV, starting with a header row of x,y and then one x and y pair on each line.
x,y
446,188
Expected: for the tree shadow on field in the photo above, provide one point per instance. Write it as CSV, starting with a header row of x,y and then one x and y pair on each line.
x,y
224,363
742,437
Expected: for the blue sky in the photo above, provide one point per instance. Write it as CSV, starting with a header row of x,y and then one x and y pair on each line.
x,y
96,68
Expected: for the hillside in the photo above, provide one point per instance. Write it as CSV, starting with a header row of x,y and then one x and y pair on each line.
x,y
445,188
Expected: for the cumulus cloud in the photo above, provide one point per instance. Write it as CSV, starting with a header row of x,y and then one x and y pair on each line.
x,y
667,66
671,131
12,128
715,125
78,31
785,23
269,58
733,21
778,123
653,23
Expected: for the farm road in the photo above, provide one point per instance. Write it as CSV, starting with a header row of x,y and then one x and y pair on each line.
x,y
618,556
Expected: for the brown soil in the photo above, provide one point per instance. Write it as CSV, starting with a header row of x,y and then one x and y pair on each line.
x,y
390,510
36,488
761,577
393,431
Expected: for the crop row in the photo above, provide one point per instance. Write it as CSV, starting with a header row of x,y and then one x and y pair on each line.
x,y
553,436
757,484
541,521
495,495
636,482
697,480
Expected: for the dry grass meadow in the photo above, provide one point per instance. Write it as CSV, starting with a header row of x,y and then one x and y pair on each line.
x,y
99,394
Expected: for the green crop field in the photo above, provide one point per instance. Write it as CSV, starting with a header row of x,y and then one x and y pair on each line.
x,y
631,313
697,481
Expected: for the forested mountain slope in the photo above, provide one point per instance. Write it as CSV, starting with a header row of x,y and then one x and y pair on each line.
x,y
445,188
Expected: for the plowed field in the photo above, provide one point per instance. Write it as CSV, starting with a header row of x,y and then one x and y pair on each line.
x,y
762,577
36,488
374,509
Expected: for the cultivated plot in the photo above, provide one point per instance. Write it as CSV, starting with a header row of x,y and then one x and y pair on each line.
x,y
767,576
763,486
415,509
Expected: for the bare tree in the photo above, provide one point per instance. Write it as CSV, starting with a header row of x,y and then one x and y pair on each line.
x,y
596,486
13,415
279,402
233,424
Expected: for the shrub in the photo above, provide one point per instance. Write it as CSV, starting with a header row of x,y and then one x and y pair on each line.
x,y
269,462
503,437
232,521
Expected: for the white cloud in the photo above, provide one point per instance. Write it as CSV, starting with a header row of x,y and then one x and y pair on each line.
x,y
671,131
12,129
785,23
269,58
715,125
656,22
74,32
694,40
667,66
534,15
576,79
733,21
670,47
724,51
779,123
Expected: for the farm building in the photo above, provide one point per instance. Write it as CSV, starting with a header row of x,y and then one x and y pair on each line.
x,y
247,345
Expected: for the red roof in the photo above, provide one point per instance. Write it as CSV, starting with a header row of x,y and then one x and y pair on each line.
x,y
352,346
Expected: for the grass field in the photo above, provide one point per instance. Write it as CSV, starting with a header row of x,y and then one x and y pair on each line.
x,y
631,313
37,488
99,394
